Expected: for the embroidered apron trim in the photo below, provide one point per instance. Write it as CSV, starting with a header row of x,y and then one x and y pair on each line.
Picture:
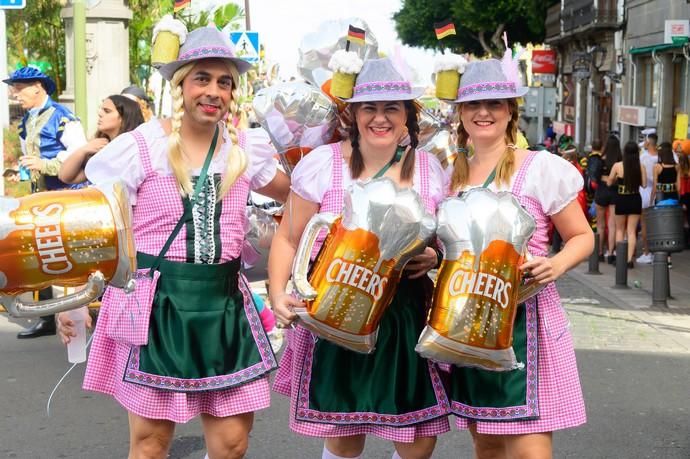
x,y
528,410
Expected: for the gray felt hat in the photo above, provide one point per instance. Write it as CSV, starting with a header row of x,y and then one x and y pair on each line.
x,y
204,43
379,81
488,80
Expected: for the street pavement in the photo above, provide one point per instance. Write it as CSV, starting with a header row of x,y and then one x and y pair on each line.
x,y
634,363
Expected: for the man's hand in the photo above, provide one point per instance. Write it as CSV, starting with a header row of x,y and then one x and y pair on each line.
x,y
33,163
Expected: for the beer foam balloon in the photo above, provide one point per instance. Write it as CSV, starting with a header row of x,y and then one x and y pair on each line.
x,y
317,48
69,238
297,117
475,300
260,228
356,274
436,138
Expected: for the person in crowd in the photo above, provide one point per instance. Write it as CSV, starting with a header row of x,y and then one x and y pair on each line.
x,y
604,198
400,402
666,176
684,186
139,96
188,177
118,114
630,177
648,159
49,133
513,413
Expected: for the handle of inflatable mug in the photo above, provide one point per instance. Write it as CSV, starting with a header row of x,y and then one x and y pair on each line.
x,y
300,267
18,308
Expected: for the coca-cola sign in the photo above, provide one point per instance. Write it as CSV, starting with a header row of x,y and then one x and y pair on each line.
x,y
544,61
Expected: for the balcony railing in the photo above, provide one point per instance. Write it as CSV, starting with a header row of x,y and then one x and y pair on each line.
x,y
582,14
553,21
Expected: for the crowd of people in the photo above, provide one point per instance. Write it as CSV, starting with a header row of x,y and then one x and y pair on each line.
x,y
206,354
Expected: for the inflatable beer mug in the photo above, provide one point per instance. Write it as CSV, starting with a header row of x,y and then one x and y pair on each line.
x,y
68,238
355,276
479,286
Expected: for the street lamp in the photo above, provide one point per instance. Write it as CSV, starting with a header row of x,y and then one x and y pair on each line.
x,y
598,56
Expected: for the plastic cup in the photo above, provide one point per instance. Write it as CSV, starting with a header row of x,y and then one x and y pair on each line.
x,y
76,349
24,174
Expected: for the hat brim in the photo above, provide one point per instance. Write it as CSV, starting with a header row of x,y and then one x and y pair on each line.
x,y
489,95
48,82
168,70
384,97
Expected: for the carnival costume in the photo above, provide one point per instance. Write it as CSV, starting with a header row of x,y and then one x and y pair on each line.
x,y
391,393
545,395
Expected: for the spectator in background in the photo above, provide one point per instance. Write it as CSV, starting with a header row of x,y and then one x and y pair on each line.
x,y
648,159
684,186
118,114
49,133
139,96
604,197
592,176
666,175
628,176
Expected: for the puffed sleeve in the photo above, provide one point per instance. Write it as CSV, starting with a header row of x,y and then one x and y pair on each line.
x,y
261,166
119,159
552,181
439,180
311,177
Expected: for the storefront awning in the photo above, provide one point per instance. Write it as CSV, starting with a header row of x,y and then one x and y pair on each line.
x,y
657,48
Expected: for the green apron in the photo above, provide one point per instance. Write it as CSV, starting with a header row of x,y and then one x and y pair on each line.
x,y
391,386
501,395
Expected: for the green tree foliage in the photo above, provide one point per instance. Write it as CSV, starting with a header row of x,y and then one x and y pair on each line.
x,y
479,23
36,35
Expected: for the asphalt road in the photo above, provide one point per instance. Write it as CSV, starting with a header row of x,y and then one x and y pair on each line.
x,y
637,397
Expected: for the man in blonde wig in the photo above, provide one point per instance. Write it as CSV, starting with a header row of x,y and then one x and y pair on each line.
x,y
205,352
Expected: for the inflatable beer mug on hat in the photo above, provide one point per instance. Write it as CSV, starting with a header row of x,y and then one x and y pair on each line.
x,y
355,276
69,238
479,286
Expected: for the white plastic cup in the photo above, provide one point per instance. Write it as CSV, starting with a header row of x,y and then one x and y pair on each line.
x,y
76,349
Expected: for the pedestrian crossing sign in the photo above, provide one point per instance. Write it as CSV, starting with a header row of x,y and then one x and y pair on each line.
x,y
12,4
246,45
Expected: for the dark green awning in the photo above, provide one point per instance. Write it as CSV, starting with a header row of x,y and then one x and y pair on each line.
x,y
657,48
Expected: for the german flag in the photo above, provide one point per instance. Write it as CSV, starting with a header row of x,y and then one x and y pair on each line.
x,y
181,4
355,35
444,28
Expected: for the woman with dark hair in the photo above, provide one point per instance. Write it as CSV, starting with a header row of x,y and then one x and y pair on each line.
x,y
604,198
684,182
343,395
118,114
666,176
628,176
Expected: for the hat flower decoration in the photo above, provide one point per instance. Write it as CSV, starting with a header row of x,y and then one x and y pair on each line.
x,y
492,79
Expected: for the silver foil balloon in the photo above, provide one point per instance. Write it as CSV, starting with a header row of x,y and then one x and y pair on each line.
x,y
260,228
436,138
298,118
316,48
356,274
477,292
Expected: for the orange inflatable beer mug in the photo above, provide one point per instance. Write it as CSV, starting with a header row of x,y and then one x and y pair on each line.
x,y
67,238
479,286
355,276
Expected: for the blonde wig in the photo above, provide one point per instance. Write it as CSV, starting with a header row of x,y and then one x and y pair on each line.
x,y
237,159
506,164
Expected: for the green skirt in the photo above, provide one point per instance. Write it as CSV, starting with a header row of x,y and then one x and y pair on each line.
x,y
501,395
391,386
203,334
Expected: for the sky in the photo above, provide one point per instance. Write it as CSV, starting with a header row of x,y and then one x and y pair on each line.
x,y
282,24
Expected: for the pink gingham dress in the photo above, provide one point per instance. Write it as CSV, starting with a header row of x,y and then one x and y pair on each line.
x,y
141,159
544,185
300,340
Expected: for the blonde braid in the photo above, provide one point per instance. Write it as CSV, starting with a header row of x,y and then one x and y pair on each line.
x,y
506,164
237,158
177,162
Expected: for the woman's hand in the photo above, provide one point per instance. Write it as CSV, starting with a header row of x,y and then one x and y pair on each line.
x,y
93,146
283,308
543,269
420,264
65,325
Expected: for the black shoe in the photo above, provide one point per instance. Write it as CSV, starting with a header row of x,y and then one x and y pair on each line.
x,y
631,264
602,258
42,327
611,259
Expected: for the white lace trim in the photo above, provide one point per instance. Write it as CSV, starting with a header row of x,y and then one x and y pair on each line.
x,y
204,213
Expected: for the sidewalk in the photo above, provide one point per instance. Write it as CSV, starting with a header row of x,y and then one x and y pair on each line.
x,y
605,317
